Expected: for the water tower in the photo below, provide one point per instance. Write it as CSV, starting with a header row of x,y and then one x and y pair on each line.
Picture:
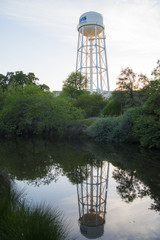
x,y
92,198
91,52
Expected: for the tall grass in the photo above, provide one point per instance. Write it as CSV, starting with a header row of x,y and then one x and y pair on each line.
x,y
20,221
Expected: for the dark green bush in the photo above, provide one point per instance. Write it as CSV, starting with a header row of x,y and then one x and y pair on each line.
x,y
104,130
30,110
113,108
152,105
141,124
147,130
90,103
114,129
147,124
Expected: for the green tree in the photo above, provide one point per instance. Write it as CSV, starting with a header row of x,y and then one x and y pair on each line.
x,y
15,79
74,85
127,82
130,88
3,82
30,110
147,125
147,129
156,71
143,81
44,87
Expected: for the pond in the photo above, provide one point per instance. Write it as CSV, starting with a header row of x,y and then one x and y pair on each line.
x,y
108,193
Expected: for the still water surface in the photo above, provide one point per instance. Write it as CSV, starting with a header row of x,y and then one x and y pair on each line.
x,y
111,193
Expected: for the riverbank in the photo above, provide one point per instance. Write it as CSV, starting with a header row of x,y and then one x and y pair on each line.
x,y
18,220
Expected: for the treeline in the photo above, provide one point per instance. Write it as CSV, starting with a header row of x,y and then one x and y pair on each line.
x,y
27,108
131,113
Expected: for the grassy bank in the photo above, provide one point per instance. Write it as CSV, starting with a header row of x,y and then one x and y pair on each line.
x,y
20,221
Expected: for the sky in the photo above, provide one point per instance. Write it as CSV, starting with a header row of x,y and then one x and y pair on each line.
x,y
40,36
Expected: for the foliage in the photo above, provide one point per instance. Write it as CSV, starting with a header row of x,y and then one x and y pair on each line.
x,y
16,79
142,81
108,130
30,110
141,123
152,88
2,98
44,87
147,125
3,82
71,92
114,129
137,124
77,80
130,84
147,129
64,114
90,103
153,104
20,221
127,82
156,71
103,130
112,108
74,85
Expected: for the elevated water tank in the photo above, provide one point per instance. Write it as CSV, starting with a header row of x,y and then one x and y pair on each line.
x,y
88,21
91,53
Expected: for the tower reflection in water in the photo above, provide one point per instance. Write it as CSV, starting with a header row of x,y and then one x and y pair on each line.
x,y
92,198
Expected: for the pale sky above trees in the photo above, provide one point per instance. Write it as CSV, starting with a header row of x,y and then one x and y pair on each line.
x,y
41,36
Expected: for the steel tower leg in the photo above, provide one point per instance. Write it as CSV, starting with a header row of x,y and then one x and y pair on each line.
x,y
92,60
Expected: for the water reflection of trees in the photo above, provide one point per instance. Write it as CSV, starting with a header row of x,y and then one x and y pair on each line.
x,y
40,161
129,187
137,174
52,174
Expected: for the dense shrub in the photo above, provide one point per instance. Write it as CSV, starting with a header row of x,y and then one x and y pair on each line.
x,y
113,108
109,130
147,124
152,105
141,124
104,130
147,130
90,103
114,129
31,110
